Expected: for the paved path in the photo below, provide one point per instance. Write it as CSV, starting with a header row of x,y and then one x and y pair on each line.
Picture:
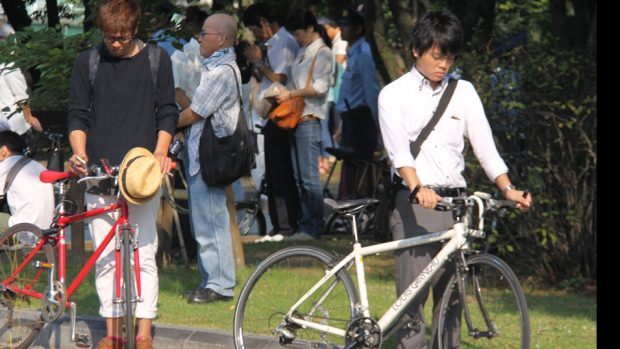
x,y
58,335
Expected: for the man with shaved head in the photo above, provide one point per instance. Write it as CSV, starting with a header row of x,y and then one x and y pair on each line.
x,y
216,100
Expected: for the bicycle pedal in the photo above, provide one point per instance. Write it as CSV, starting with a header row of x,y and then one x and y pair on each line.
x,y
82,340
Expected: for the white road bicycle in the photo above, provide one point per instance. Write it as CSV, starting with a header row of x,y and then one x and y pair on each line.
x,y
303,297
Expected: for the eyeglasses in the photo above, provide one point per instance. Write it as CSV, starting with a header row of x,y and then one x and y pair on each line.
x,y
112,39
203,33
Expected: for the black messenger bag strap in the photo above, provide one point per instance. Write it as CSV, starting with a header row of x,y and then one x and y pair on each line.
x,y
441,108
13,172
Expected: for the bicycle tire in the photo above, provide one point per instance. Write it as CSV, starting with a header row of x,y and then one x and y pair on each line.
x,y
276,284
128,289
491,288
23,311
250,219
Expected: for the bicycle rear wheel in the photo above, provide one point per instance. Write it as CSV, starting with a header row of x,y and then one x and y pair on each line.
x,y
128,292
250,219
495,303
279,282
20,315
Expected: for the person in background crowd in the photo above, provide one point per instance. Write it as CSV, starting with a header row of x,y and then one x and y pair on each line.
x,y
339,52
357,105
15,112
29,200
216,98
314,56
405,107
282,194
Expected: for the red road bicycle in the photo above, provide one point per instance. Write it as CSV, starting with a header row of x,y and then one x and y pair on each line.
x,y
34,290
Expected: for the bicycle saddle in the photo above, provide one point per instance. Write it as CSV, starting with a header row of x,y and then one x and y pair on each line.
x,y
349,206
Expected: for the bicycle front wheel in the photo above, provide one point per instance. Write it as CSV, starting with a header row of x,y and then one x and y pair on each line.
x,y
491,310
20,315
276,285
129,296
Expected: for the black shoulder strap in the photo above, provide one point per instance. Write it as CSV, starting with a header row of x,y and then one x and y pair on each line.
x,y
14,171
441,108
237,83
154,54
93,63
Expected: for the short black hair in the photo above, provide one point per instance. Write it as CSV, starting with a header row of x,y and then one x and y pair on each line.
x,y
302,19
441,28
254,12
14,142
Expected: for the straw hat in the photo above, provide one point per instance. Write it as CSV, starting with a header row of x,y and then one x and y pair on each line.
x,y
139,176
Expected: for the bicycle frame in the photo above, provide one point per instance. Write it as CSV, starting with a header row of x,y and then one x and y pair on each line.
x,y
56,235
457,240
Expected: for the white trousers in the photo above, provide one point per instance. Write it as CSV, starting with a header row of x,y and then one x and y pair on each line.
x,y
144,217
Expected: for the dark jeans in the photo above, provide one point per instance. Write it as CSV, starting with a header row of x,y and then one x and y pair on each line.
x,y
359,132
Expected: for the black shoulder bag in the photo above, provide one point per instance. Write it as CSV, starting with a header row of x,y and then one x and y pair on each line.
x,y
395,184
226,159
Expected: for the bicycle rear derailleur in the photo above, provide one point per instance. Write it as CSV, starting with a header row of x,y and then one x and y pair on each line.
x,y
364,333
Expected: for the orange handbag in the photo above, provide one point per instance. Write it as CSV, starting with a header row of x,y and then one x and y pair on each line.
x,y
288,113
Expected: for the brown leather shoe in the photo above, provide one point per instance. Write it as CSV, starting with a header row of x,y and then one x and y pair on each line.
x,y
144,343
109,343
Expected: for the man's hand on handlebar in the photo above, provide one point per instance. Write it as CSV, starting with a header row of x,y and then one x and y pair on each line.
x,y
79,164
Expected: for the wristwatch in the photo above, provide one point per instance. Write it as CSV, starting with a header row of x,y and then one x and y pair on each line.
x,y
508,188
258,64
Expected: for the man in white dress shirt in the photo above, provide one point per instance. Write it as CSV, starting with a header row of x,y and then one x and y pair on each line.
x,y
405,107
29,199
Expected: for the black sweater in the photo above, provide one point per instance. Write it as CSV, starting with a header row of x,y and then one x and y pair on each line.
x,y
124,112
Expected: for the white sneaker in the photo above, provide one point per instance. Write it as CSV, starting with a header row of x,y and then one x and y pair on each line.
x,y
274,238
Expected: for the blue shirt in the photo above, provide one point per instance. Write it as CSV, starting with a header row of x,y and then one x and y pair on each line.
x,y
360,86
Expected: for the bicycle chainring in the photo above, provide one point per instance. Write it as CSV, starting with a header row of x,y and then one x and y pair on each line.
x,y
364,333
51,310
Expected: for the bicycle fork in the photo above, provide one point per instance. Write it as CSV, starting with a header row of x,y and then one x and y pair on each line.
x,y
126,234
463,273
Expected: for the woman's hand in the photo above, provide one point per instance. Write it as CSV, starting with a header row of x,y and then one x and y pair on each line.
x,y
79,164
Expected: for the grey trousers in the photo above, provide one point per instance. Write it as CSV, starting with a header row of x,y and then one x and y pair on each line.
x,y
409,221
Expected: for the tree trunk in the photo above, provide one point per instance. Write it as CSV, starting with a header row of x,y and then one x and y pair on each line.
x,y
52,13
388,62
88,15
404,20
234,229
475,14
15,11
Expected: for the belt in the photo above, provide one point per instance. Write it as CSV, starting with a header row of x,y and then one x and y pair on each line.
x,y
448,192
308,118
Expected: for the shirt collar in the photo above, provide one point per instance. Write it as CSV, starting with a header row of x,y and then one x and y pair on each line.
x,y
275,36
219,57
356,46
420,81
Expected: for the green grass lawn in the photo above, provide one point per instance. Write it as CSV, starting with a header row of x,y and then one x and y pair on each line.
x,y
558,319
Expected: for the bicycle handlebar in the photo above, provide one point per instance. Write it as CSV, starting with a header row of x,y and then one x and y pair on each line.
x,y
490,204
